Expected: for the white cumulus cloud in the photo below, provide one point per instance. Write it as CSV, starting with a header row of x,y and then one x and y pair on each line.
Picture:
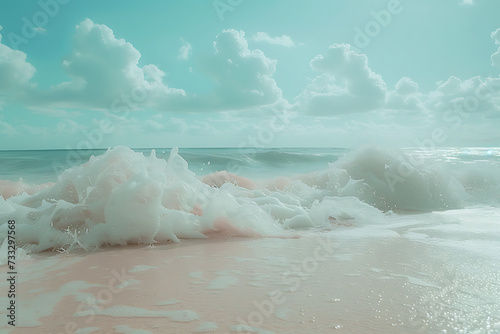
x,y
468,96
184,51
105,73
283,40
346,84
244,77
15,72
405,96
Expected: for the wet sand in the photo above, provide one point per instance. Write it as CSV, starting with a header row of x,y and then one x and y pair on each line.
x,y
334,282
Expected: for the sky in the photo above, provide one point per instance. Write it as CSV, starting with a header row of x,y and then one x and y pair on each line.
x,y
239,73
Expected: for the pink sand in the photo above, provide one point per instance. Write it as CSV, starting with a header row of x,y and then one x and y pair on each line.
x,y
307,285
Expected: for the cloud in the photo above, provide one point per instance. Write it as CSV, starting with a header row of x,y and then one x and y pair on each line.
x,y
244,77
8,130
496,36
56,112
154,125
453,98
184,51
105,75
466,3
68,126
282,40
24,131
495,58
105,70
160,124
15,72
405,96
406,86
346,84
472,95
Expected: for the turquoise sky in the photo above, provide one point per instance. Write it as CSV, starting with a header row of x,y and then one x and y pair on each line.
x,y
239,73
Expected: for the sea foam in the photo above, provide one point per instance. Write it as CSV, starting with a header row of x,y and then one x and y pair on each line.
x,y
125,197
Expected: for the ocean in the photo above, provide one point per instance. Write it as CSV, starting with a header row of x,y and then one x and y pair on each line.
x,y
425,220
46,165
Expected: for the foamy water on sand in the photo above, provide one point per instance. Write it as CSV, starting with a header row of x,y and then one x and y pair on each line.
x,y
378,241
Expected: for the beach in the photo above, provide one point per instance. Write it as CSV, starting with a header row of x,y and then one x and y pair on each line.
x,y
347,280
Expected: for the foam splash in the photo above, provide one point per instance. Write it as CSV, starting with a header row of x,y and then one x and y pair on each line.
x,y
15,188
390,180
123,197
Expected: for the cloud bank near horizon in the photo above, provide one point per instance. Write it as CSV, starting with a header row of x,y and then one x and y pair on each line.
x,y
105,75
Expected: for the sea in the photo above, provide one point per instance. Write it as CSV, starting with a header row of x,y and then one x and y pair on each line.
x,y
67,201
281,188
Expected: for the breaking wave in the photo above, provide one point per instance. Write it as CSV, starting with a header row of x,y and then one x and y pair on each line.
x,y
125,197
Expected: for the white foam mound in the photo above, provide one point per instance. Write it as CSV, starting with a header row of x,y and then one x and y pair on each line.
x,y
391,180
384,179
123,197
